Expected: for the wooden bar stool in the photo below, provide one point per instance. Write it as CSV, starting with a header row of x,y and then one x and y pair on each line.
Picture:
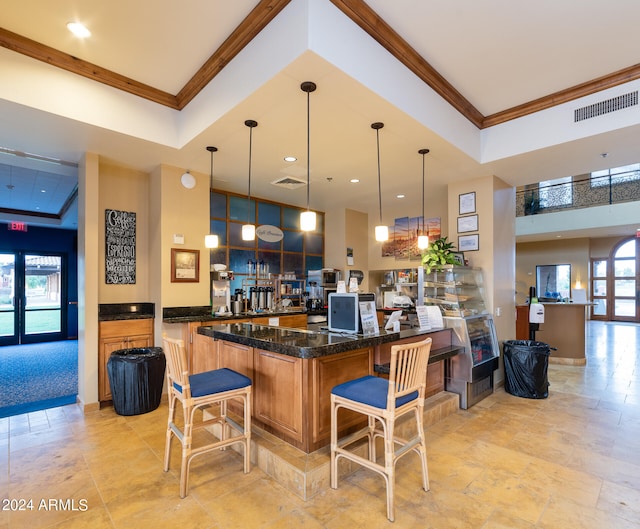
x,y
195,392
383,402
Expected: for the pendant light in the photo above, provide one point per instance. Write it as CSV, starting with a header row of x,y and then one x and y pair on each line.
x,y
423,238
308,218
382,231
249,230
211,240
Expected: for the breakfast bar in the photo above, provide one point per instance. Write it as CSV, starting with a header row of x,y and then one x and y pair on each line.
x,y
293,371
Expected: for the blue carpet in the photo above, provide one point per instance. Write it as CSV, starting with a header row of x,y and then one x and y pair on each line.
x,y
38,376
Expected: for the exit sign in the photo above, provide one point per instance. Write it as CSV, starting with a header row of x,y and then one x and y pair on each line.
x,y
17,226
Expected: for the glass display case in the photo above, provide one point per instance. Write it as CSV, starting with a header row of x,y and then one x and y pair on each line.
x,y
470,374
459,292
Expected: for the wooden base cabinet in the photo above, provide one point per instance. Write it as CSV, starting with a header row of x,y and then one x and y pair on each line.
x,y
291,396
116,335
198,351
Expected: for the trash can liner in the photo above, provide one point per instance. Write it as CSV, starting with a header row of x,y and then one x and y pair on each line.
x,y
136,377
526,363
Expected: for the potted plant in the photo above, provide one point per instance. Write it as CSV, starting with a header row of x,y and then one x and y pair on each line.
x,y
438,254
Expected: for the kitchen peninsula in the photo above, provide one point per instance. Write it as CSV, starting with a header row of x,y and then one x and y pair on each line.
x,y
294,370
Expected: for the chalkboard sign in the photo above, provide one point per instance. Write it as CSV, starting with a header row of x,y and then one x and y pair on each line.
x,y
120,247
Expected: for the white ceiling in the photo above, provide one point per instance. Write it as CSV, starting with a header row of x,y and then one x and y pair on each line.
x,y
497,53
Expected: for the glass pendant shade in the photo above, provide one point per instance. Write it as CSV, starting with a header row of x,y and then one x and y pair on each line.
x,y
211,241
308,220
423,242
382,233
248,232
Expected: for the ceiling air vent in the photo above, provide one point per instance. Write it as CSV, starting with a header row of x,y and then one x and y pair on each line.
x,y
289,182
604,107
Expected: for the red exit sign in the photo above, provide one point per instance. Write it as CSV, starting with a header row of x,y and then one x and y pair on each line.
x,y
17,226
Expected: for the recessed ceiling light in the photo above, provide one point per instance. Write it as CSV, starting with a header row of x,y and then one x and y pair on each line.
x,y
354,180
79,30
400,196
290,159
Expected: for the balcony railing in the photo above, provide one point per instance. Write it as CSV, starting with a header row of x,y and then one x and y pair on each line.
x,y
579,193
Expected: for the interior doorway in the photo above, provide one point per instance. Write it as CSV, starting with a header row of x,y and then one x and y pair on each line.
x,y
32,297
615,283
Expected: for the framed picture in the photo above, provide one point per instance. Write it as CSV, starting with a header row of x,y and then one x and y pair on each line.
x,y
467,203
468,223
459,258
185,266
469,243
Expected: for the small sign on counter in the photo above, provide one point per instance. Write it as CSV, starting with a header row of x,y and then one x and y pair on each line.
x,y
429,317
368,317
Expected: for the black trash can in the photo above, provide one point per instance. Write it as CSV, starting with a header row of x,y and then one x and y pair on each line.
x,y
136,377
526,363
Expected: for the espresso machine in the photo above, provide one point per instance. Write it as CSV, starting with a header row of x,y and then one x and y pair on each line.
x,y
221,291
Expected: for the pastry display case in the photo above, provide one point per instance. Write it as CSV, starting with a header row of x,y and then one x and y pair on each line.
x,y
459,293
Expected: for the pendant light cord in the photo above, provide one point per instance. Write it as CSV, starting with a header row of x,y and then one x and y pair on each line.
x,y
308,147
379,184
249,188
423,192
378,126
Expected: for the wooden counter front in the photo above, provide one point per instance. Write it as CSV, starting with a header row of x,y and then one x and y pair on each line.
x,y
291,395
564,329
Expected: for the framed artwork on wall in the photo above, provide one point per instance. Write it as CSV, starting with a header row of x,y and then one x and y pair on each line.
x,y
185,266
468,223
468,243
467,203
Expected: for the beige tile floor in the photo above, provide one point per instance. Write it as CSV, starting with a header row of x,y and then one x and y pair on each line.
x,y
569,461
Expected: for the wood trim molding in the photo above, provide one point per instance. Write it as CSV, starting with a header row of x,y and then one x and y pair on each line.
x,y
254,23
381,32
265,11
35,50
563,96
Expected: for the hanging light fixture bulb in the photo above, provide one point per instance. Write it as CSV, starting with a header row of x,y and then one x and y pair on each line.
x,y
249,230
423,238
382,230
211,240
308,218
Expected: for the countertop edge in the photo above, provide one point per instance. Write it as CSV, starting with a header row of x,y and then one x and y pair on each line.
x,y
221,332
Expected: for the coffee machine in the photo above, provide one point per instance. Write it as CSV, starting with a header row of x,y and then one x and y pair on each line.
x,y
325,282
221,291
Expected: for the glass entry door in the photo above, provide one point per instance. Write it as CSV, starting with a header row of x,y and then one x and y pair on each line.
x,y
31,291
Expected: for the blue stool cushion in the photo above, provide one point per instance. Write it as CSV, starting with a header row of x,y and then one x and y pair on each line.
x,y
370,390
216,381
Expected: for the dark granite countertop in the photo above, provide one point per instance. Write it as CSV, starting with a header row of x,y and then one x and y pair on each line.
x,y
301,343
125,311
203,313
